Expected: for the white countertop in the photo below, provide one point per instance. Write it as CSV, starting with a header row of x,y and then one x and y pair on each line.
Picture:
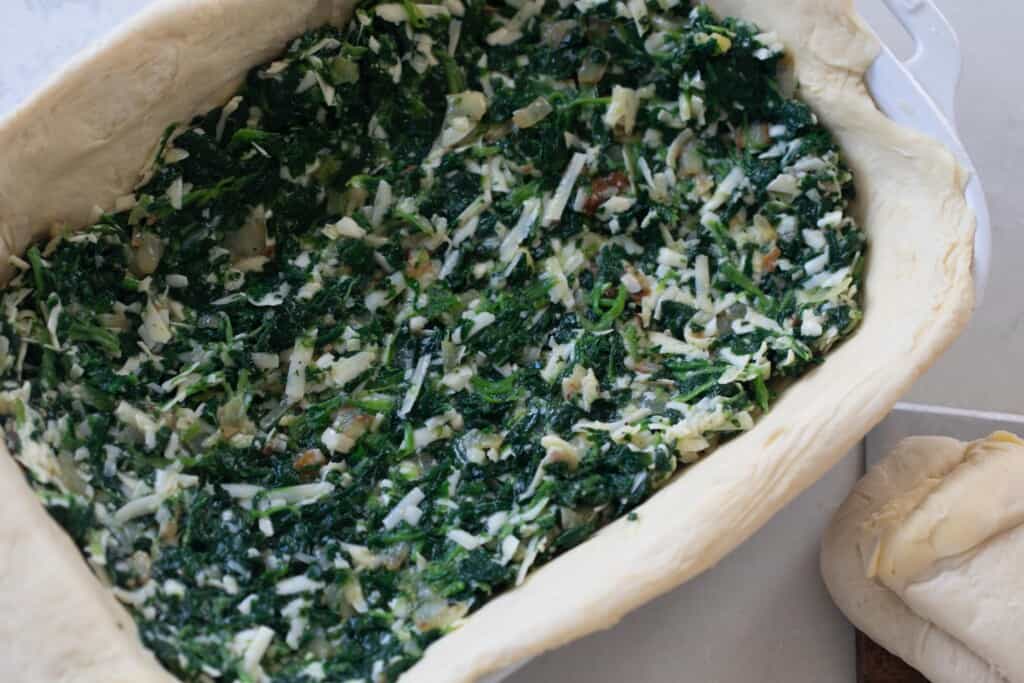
x,y
762,614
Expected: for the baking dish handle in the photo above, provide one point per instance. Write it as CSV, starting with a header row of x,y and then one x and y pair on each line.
x,y
937,59
935,66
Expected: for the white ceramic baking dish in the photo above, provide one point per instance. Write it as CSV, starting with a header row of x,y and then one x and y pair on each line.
x,y
920,93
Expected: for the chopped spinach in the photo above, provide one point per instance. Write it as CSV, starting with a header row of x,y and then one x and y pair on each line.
x,y
431,300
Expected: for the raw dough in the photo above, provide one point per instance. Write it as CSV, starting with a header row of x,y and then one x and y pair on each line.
x,y
945,517
925,556
85,137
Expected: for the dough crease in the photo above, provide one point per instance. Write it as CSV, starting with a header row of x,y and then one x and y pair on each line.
x,y
924,556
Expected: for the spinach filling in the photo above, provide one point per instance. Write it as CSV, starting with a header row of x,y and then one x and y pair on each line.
x,y
431,300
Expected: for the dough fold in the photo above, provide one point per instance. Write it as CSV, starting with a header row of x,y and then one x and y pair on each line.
x,y
925,556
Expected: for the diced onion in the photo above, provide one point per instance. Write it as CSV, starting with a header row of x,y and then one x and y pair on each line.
x,y
532,114
147,253
251,238
593,68
555,32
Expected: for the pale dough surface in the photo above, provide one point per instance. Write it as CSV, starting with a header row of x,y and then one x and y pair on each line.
x,y
925,557
85,138
948,516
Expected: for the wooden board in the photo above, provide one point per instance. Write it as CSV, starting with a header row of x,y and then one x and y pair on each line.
x,y
875,664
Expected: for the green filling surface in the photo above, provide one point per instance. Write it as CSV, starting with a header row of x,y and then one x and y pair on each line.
x,y
431,300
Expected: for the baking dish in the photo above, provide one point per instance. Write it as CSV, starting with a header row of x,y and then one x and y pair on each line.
x,y
920,93
183,56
